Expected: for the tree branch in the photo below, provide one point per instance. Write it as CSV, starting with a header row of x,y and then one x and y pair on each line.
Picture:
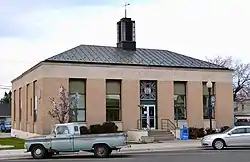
x,y
241,75
61,111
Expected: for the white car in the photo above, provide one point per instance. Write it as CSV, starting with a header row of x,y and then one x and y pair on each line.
x,y
238,136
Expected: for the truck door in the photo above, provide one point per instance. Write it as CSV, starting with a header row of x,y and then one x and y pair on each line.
x,y
63,140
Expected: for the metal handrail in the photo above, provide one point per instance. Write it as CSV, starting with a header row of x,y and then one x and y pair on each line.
x,y
170,125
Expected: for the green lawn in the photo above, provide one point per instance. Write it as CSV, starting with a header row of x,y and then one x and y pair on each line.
x,y
16,142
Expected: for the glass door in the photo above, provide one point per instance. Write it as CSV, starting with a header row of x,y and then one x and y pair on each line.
x,y
148,116
144,117
151,116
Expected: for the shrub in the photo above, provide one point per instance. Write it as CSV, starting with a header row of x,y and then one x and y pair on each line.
x,y
222,129
200,133
106,127
210,131
96,129
109,127
84,130
193,133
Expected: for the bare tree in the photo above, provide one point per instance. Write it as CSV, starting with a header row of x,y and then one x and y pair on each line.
x,y
241,75
61,111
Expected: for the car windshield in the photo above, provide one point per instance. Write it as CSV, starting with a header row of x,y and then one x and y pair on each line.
x,y
227,130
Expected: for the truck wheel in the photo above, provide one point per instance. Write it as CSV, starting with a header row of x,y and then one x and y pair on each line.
x,y
38,152
101,151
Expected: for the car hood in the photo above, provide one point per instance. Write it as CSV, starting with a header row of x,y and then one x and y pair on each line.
x,y
217,135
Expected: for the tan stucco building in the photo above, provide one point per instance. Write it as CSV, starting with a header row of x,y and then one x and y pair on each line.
x,y
131,86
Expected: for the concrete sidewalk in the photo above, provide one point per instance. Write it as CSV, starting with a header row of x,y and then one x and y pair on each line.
x,y
134,148
5,135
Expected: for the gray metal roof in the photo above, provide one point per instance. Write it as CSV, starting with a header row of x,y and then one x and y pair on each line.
x,y
93,54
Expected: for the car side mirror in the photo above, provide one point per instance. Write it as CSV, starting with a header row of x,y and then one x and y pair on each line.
x,y
230,133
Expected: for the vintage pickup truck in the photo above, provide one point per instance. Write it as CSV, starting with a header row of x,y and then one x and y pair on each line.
x,y
68,138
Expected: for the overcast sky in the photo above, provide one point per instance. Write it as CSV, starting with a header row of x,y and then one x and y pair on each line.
x,y
31,31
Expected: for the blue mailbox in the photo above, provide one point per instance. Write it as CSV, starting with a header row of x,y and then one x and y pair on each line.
x,y
184,133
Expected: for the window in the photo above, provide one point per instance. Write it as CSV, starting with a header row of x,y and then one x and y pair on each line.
x,y
205,101
148,90
239,131
76,128
31,104
180,108
35,101
247,130
242,107
77,98
113,100
27,101
14,106
20,104
62,130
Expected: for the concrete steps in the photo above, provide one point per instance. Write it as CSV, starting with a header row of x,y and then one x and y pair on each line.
x,y
161,135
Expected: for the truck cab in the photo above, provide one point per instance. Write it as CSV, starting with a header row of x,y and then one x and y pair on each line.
x,y
66,129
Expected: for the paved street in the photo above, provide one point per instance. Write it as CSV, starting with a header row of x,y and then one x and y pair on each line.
x,y
175,156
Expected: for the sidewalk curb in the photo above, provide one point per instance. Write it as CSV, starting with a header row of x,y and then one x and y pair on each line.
x,y
159,149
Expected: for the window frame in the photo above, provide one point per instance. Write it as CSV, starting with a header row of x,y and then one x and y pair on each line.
x,y
31,105
20,103
205,108
27,102
83,94
14,105
111,110
35,99
184,106
75,110
63,133
205,105
245,131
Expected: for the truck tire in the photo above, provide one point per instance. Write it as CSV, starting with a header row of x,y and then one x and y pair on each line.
x,y
101,151
38,152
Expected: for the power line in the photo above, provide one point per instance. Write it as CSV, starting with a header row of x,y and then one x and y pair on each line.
x,y
5,88
4,85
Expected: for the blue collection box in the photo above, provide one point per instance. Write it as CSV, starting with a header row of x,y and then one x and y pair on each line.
x,y
184,133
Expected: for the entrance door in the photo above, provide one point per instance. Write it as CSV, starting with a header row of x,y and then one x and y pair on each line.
x,y
148,120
